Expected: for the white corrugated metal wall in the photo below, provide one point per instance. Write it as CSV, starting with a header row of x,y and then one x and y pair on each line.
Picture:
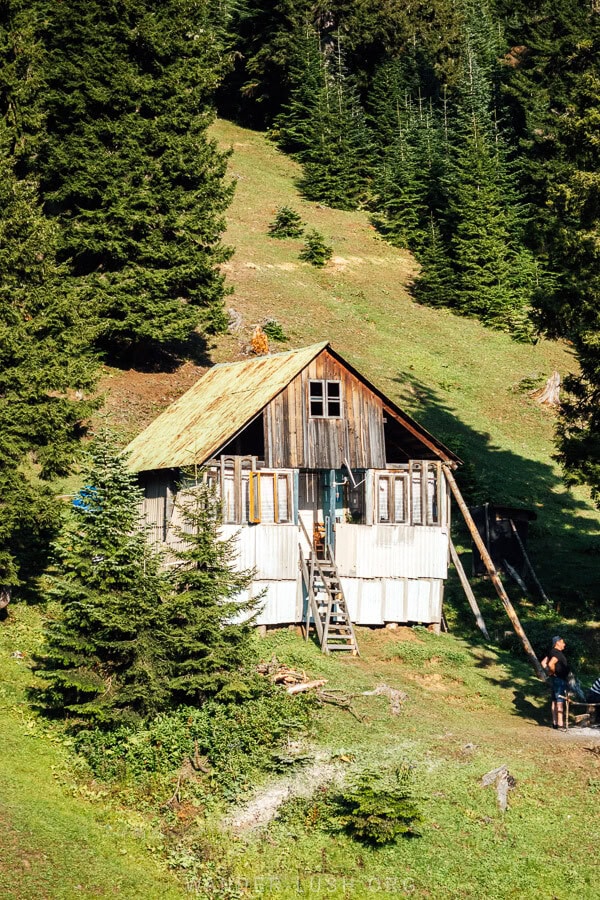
x,y
414,561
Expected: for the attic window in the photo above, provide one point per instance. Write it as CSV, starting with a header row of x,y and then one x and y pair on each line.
x,y
325,399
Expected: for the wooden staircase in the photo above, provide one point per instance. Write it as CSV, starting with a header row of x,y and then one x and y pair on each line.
x,y
327,606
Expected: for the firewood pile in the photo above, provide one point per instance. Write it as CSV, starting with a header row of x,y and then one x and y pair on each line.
x,y
294,681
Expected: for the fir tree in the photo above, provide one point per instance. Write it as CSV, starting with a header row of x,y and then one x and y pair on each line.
x,y
337,162
286,224
127,169
208,627
46,374
408,140
483,220
315,251
436,284
556,92
103,662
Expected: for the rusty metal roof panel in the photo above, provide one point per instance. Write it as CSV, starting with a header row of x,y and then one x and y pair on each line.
x,y
222,402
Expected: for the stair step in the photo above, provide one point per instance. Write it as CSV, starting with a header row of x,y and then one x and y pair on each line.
x,y
341,646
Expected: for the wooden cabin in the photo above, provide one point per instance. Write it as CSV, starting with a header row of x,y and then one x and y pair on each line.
x,y
312,462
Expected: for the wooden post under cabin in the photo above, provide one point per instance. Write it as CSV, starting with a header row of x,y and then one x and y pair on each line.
x,y
468,590
487,560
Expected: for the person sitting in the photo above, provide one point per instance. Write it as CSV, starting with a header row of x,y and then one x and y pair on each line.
x,y
593,695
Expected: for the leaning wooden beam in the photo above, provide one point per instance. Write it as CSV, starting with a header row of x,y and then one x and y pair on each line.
x,y
528,562
515,576
491,569
468,590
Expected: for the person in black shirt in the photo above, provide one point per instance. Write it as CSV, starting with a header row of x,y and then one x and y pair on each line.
x,y
558,669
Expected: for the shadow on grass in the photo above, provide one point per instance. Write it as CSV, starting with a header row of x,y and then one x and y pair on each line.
x,y
148,356
562,544
563,541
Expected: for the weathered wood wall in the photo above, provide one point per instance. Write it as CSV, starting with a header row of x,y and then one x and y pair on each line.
x,y
295,440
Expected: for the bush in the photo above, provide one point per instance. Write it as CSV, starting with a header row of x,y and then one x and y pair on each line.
x,y
374,809
239,740
286,224
316,251
377,810
274,331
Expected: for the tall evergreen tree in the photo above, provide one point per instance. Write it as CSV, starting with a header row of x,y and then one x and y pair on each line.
x,y
556,87
407,139
103,662
331,124
483,221
134,638
208,627
126,166
46,373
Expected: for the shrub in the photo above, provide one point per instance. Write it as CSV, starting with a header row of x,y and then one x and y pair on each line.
x,y
286,224
316,251
239,740
376,810
274,330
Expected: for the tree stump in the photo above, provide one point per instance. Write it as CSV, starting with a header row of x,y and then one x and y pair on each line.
x,y
549,395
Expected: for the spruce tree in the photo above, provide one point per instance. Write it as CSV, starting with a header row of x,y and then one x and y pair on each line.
x,y
46,375
207,627
407,137
483,220
337,163
103,661
555,90
127,169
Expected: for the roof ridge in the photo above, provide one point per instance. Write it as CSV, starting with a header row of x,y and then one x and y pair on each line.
x,y
235,362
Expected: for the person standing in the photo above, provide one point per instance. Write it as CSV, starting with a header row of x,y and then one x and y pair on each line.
x,y
558,669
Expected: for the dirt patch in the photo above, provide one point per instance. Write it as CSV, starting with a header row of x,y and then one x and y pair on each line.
x,y
433,682
133,399
263,807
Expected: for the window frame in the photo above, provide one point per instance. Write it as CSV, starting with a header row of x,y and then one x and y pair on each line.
x,y
325,398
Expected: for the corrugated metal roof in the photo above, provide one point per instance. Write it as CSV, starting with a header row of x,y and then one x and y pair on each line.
x,y
220,404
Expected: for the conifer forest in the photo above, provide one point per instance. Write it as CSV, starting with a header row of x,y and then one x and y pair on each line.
x,y
467,132
467,129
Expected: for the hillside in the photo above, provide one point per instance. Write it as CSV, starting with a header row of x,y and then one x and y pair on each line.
x,y
466,383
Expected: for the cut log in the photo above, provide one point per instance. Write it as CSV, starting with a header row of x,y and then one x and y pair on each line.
x,y
491,569
307,686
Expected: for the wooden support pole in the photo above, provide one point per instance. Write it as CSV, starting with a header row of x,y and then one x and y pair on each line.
x,y
528,563
491,569
468,590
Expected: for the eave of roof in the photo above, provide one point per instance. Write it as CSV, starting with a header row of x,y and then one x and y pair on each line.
x,y
221,403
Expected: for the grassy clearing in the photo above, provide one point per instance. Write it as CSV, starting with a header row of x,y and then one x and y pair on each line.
x,y
464,382
60,840
469,711
470,708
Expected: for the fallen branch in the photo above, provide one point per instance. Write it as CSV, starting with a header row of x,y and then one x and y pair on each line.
x,y
397,697
342,701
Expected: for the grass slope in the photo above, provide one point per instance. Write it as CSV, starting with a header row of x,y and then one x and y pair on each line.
x,y
461,380
59,839
470,709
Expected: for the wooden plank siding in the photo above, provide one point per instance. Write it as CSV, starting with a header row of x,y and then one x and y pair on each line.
x,y
293,439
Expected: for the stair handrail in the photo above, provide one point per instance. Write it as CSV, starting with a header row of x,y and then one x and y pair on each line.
x,y
312,601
